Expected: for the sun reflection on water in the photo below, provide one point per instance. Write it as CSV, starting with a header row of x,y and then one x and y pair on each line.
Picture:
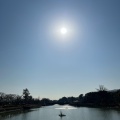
x,y
66,107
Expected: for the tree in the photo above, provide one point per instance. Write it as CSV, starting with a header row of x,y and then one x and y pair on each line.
x,y
18,100
2,97
80,96
26,94
102,88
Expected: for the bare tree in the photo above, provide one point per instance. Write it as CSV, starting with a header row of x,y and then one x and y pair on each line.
x,y
102,88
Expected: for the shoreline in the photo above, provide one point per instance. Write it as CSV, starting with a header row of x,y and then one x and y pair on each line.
x,y
19,108
10,111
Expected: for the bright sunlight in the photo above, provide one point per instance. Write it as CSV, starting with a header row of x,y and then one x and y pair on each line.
x,y
63,30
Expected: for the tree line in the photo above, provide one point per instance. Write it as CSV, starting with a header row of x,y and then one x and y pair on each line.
x,y
100,98
13,99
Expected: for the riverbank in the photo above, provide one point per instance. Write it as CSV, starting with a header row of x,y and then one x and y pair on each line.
x,y
96,106
4,109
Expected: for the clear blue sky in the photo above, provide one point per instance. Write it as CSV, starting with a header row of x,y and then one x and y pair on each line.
x,y
33,56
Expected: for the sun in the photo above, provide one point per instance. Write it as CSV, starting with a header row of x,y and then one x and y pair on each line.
x,y
63,30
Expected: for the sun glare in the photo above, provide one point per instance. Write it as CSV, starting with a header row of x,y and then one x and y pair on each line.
x,y
63,30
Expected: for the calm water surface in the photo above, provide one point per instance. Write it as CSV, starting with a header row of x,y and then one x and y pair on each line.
x,y
72,113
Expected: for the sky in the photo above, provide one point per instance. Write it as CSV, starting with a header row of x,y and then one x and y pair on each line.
x,y
35,55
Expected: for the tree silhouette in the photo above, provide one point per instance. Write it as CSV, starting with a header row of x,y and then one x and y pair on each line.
x,y
101,88
26,94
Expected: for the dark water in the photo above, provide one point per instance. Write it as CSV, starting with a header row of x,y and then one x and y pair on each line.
x,y
72,113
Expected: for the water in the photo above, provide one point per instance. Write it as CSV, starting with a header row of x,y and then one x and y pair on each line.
x,y
72,113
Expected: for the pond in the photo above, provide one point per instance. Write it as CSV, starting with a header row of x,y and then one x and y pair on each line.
x,y
72,113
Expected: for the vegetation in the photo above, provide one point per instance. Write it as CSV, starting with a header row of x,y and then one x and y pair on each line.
x,y
10,102
13,99
101,98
